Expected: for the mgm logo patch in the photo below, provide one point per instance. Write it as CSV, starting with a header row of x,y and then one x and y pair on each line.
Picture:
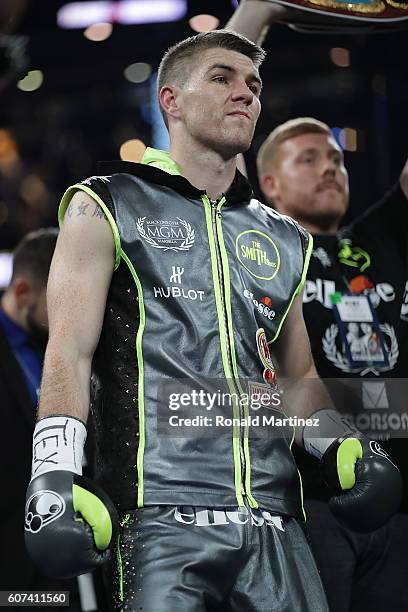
x,y
166,234
258,253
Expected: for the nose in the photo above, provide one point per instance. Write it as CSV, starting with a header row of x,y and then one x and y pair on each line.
x,y
329,167
242,93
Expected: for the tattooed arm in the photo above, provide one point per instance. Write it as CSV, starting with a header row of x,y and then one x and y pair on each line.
x,y
78,284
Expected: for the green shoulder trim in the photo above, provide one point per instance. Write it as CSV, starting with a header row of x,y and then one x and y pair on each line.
x,y
161,160
298,288
347,454
95,513
66,198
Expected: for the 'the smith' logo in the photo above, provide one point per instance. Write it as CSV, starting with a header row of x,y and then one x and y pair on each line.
x,y
255,253
258,254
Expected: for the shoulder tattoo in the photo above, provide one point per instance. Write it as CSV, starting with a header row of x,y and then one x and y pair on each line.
x,y
84,209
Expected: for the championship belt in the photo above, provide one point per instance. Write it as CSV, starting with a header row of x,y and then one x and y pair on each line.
x,y
346,16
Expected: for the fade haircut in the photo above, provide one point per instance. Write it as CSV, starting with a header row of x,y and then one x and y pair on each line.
x,y
267,154
178,61
32,256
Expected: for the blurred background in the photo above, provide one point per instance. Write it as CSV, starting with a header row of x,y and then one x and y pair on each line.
x,y
77,85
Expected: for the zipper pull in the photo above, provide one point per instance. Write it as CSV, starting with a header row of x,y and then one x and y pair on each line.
x,y
214,204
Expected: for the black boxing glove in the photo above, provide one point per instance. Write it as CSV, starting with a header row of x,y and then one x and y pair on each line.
x,y
70,523
366,484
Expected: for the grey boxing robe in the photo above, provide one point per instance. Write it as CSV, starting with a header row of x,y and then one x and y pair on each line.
x,y
198,290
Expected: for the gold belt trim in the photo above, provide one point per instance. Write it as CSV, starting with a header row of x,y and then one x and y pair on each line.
x,y
374,7
398,5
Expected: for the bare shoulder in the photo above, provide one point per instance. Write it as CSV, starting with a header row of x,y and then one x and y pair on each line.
x,y
83,206
81,272
85,227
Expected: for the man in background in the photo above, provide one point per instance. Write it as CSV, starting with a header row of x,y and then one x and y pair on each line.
x,y
302,174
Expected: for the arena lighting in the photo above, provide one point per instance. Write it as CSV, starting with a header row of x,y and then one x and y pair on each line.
x,y
9,154
33,190
32,81
98,32
138,72
348,139
132,150
204,23
6,267
340,57
83,14
336,131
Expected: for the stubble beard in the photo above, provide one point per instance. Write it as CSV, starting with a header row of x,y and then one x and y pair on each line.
x,y
219,139
325,218
228,146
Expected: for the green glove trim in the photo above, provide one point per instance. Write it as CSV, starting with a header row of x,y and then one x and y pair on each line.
x,y
95,514
347,454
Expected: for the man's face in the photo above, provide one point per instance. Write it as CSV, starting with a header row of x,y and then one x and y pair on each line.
x,y
219,105
309,182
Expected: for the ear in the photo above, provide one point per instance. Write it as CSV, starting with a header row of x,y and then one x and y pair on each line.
x,y
269,184
22,289
169,100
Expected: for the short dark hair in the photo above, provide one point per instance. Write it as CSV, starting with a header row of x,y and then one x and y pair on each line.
x,y
178,60
33,254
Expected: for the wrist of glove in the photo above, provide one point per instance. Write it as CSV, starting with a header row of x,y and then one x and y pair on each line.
x,y
70,523
366,485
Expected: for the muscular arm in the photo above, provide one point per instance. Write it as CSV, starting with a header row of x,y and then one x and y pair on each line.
x,y
304,391
78,284
253,18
